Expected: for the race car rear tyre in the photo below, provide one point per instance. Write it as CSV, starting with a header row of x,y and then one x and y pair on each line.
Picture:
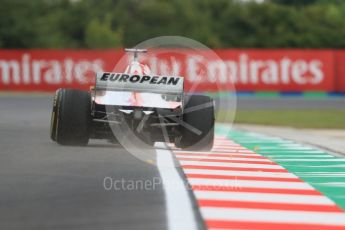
x,y
73,117
198,117
53,119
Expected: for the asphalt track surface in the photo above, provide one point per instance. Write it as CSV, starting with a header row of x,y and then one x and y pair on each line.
x,y
47,186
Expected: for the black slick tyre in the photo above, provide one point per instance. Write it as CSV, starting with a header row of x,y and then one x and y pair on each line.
x,y
73,117
53,119
198,124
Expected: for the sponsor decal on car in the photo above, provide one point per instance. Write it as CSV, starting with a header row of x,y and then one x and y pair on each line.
x,y
113,77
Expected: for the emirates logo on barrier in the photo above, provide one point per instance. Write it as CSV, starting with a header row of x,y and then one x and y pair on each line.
x,y
279,70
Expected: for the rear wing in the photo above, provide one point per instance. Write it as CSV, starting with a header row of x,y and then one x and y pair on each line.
x,y
139,83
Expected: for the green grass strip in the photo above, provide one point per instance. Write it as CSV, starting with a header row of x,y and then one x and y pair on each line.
x,y
316,94
267,94
299,118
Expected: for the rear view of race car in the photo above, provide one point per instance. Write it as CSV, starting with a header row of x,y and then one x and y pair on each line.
x,y
153,108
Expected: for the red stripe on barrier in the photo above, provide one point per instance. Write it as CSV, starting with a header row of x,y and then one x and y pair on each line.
x,y
291,70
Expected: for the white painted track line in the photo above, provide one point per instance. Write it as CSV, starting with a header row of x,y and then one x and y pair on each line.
x,y
180,212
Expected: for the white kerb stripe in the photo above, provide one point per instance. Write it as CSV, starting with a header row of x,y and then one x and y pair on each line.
x,y
227,153
232,151
314,160
238,165
210,157
240,173
257,215
263,197
249,184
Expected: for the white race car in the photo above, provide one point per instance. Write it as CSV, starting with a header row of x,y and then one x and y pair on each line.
x,y
154,108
